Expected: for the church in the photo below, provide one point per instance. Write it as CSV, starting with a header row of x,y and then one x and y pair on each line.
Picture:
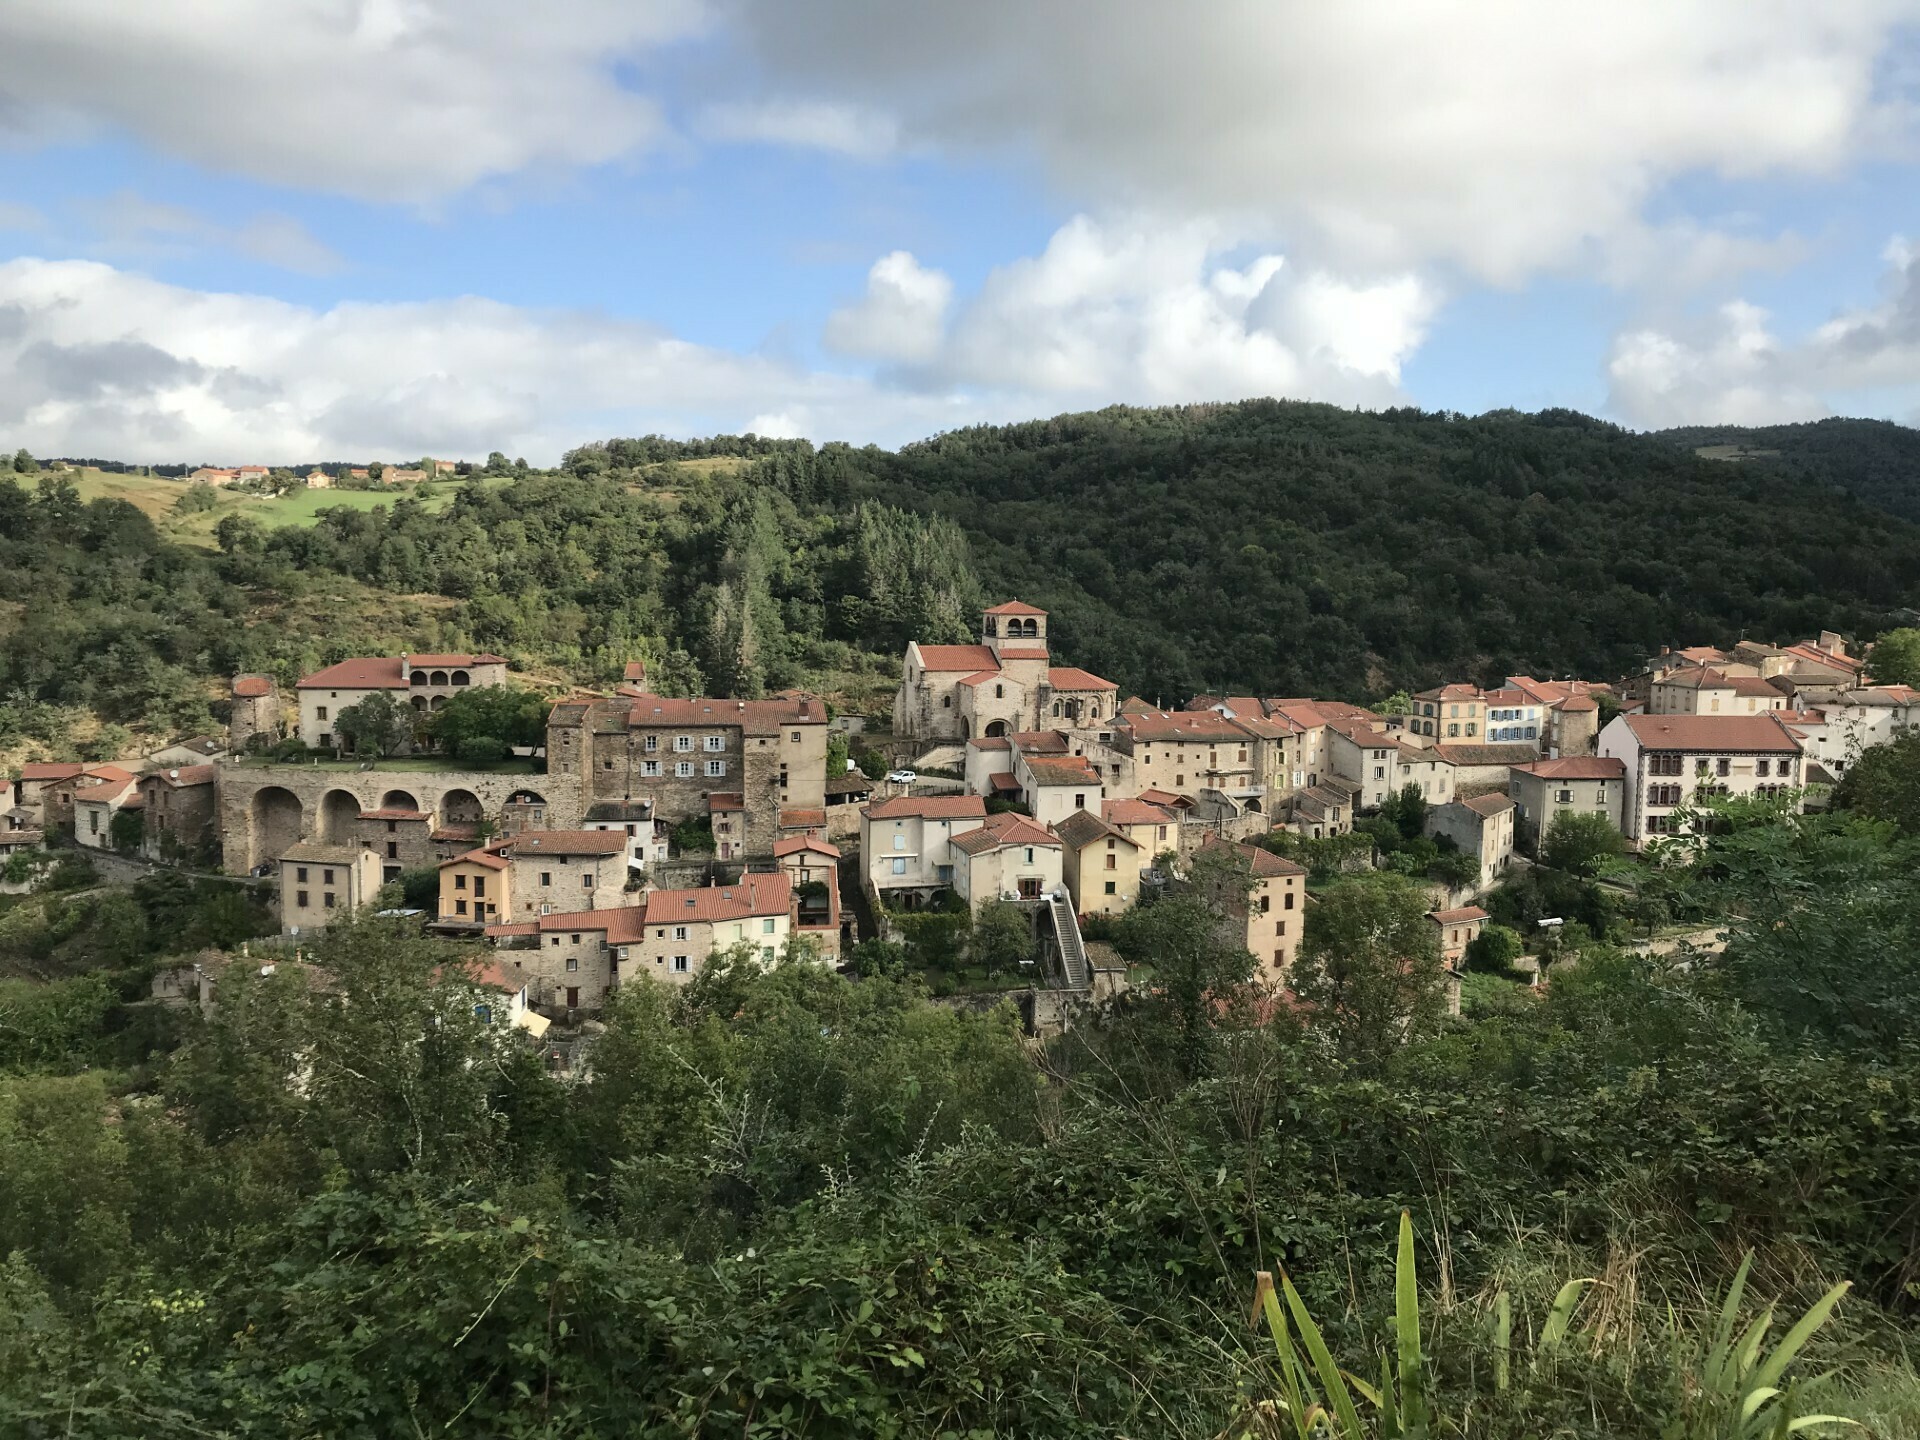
x,y
1004,685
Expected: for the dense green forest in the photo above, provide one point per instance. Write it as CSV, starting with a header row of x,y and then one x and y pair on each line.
x,y
1274,547
1875,461
786,1204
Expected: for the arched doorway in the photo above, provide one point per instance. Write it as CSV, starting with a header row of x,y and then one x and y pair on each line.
x,y
274,820
399,800
339,814
996,728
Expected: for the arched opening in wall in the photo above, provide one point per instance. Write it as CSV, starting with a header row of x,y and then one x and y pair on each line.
x,y
996,728
339,813
460,677
440,677
418,677
461,807
966,728
419,702
436,702
525,810
399,800
1253,807
274,819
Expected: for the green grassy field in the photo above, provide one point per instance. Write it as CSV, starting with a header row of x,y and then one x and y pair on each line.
x,y
159,498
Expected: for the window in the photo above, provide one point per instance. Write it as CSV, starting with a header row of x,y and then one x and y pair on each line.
x,y
796,737
1563,797
300,874
554,942
1113,862
649,767
459,881
320,713
683,768
479,884
1280,928
327,900
1723,767
393,851
300,899
1470,727
1453,730
1379,772
586,882
1110,887
326,877
652,744
946,702
1760,767
716,767
1665,765
716,742
680,964
679,932
1287,904
573,961
766,927
606,764
683,742
899,866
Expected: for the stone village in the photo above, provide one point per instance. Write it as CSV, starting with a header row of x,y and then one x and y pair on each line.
x,y
1018,781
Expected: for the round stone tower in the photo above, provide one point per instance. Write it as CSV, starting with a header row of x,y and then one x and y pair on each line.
x,y
256,711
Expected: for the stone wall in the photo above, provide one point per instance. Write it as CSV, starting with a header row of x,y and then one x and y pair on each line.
x,y
264,809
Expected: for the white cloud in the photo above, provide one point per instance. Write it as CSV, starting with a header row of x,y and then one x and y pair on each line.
x,y
1501,136
900,317
1147,312
404,100
1732,368
808,124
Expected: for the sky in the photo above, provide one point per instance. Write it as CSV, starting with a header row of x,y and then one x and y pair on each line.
x,y
275,231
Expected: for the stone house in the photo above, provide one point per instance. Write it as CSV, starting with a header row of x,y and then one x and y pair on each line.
x,y
1577,785
570,960
1478,769
1056,786
1702,690
194,750
812,864
30,786
255,712
545,872
1152,826
1670,761
1274,906
181,810
95,805
425,682
906,844
1100,863
1191,751
1006,857
1379,766
685,927
320,884
57,796
1481,826
678,754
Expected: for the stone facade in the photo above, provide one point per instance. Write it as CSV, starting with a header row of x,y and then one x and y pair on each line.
x,y
255,713
1005,684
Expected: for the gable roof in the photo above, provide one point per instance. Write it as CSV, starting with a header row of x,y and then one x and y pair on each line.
x,y
45,770
1501,754
1060,770
623,925
563,842
184,775
1576,767
1262,862
754,717
1083,827
482,857
1001,831
370,672
757,893
1187,725
1487,806
928,807
796,844
1134,811
1458,917
1015,607
1752,734
964,658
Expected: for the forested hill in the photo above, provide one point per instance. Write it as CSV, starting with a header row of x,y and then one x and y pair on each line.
x,y
1872,460
1269,547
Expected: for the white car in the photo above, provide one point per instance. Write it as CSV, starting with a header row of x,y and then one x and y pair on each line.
x,y
901,777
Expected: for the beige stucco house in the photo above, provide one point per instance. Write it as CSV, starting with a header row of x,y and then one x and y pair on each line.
x,y
1007,857
1671,761
423,681
1100,863
320,884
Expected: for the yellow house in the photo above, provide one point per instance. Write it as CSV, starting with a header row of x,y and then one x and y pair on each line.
x,y
1275,906
1101,864
476,889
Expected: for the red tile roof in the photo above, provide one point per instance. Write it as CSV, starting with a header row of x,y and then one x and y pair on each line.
x,y
1755,734
1001,831
1066,677
964,658
754,717
46,770
1003,780
1487,806
796,844
1155,796
991,742
252,687
484,858
374,672
1457,917
756,894
563,842
1134,812
1016,607
1262,862
723,800
106,773
1025,652
1039,742
183,775
802,820
623,925
980,677
1187,725
1061,770
1576,767
928,807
